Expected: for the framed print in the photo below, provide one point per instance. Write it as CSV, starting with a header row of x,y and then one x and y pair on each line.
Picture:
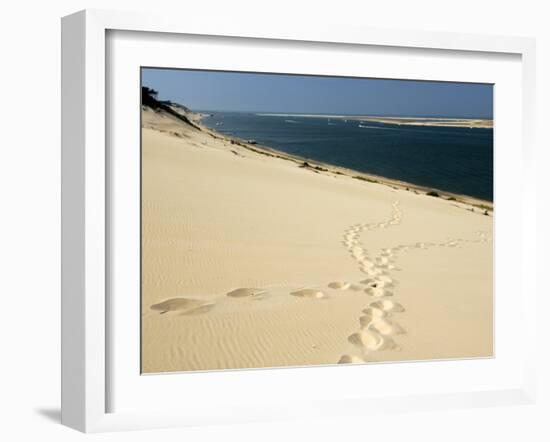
x,y
251,213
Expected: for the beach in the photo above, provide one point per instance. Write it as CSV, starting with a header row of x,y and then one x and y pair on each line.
x,y
252,258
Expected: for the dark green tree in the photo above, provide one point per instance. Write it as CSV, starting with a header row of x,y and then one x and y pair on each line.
x,y
149,97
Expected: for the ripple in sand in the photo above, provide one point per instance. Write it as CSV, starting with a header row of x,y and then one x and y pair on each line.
x,y
183,306
388,306
339,285
245,292
308,293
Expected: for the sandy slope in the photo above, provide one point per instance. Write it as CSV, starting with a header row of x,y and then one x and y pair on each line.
x,y
252,261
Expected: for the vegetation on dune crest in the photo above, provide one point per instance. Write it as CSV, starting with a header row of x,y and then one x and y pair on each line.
x,y
149,98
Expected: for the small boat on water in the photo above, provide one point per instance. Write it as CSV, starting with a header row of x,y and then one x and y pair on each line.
x,y
219,123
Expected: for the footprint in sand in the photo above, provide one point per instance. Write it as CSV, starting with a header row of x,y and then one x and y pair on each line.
x,y
375,312
383,326
381,281
385,279
378,292
367,339
339,285
365,321
351,359
383,284
183,306
366,264
371,271
247,293
370,340
388,306
309,293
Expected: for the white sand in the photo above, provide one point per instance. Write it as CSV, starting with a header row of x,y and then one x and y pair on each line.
x,y
252,261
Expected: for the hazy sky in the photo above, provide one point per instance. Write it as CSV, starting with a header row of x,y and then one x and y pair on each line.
x,y
228,91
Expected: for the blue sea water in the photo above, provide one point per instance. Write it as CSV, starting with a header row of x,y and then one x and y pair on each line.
x,y
457,160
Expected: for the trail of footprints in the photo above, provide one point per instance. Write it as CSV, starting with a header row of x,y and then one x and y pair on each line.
x,y
378,326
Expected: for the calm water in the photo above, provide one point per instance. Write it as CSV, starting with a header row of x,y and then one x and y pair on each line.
x,y
458,160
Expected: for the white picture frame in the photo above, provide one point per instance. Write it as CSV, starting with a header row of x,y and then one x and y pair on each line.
x,y
85,208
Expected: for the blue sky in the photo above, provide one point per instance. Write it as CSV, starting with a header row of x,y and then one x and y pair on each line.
x,y
231,91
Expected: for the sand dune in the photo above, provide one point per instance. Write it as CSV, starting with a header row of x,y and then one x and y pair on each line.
x,y
249,260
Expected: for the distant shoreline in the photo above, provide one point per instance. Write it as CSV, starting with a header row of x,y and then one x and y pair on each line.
x,y
319,166
474,123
